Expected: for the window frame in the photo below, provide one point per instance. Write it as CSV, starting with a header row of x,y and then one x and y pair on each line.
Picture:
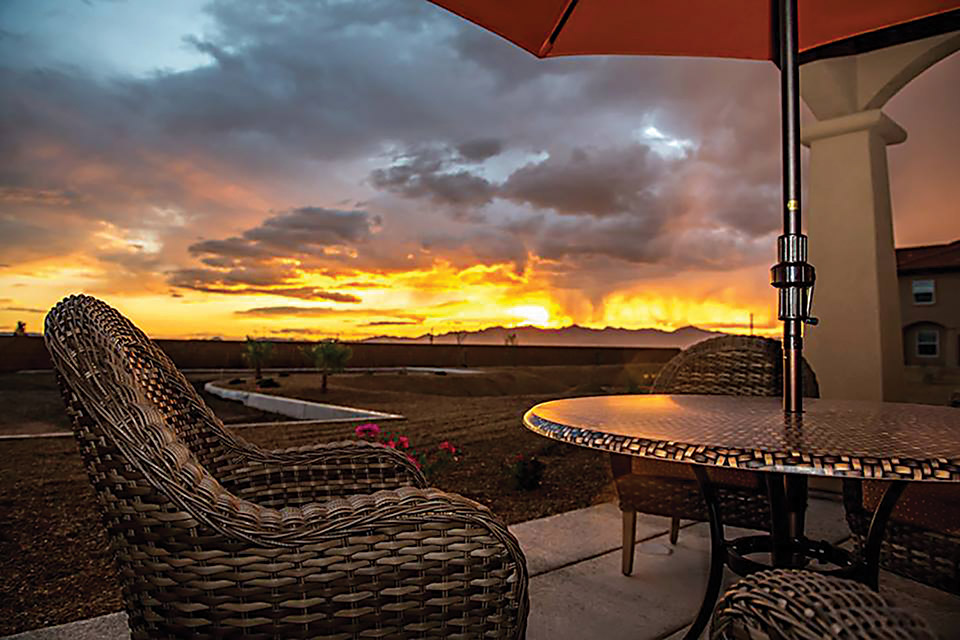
x,y
935,343
925,286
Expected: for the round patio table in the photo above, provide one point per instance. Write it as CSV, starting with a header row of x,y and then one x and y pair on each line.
x,y
897,442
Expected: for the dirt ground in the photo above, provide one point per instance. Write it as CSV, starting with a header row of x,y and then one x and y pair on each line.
x,y
55,562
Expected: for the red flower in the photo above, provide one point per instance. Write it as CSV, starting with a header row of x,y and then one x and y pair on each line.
x,y
446,446
414,461
391,443
404,442
367,429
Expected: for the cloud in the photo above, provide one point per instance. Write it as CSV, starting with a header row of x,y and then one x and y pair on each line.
x,y
391,315
435,174
23,310
594,182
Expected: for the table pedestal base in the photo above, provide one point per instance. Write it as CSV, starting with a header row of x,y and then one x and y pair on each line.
x,y
786,544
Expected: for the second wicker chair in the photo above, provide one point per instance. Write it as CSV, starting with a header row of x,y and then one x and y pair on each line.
x,y
728,365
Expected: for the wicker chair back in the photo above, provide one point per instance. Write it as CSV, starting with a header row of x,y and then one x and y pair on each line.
x,y
731,366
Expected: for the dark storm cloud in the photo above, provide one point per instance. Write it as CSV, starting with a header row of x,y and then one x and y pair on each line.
x,y
307,229
301,231
595,182
434,174
479,150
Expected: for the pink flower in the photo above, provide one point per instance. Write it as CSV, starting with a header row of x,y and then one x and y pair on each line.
x,y
391,443
414,461
367,429
404,442
446,446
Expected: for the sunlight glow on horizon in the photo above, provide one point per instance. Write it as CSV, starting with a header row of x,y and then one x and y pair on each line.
x,y
437,300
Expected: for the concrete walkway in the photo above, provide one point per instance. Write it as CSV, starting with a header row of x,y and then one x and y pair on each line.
x,y
578,592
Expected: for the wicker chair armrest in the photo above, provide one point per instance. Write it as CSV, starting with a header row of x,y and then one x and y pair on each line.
x,y
296,476
805,605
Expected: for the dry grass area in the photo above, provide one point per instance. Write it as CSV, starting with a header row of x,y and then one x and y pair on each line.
x,y
55,564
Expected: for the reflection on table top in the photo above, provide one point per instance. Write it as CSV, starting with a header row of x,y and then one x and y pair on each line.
x,y
833,437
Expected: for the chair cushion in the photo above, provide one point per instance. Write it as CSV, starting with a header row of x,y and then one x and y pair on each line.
x,y
932,506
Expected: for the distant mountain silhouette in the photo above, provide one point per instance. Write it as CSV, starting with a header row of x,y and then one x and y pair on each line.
x,y
572,336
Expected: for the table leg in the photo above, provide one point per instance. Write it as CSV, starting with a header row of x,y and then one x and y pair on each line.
x,y
717,555
878,524
796,493
780,555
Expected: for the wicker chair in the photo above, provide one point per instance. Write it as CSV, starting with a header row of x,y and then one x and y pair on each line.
x,y
215,537
803,605
728,365
922,538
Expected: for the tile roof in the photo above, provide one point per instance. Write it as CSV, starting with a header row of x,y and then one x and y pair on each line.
x,y
934,257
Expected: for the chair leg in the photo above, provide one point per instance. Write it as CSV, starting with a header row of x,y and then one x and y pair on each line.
x,y
674,530
629,536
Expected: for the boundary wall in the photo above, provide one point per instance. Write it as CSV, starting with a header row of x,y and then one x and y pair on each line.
x,y
20,353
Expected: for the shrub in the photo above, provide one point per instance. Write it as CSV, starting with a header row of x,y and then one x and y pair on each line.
x,y
526,472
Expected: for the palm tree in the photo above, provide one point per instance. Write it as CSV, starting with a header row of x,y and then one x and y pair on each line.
x,y
21,329
329,356
256,353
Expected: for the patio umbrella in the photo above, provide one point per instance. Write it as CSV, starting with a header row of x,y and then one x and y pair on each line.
x,y
749,29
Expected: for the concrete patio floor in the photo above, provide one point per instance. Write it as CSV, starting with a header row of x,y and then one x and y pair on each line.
x,y
578,592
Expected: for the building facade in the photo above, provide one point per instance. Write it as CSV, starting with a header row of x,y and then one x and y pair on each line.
x,y
929,281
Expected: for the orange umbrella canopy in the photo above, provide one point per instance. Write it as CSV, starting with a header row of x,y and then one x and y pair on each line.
x,y
704,28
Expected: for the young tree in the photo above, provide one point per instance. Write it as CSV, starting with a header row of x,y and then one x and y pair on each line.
x,y
21,329
329,356
256,353
510,339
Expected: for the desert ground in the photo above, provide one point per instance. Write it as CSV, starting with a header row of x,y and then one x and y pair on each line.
x,y
55,562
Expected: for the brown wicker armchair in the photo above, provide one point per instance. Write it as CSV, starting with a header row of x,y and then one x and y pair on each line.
x,y
803,605
215,537
922,538
728,365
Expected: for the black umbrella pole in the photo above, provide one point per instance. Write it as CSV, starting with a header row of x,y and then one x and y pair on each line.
x,y
792,275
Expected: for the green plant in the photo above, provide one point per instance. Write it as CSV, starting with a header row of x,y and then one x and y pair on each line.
x,y
429,461
256,353
329,356
526,472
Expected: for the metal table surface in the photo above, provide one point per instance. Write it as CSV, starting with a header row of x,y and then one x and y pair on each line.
x,y
876,440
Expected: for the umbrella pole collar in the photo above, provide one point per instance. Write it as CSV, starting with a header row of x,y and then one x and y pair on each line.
x,y
794,279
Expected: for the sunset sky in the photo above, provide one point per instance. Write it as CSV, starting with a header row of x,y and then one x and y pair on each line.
x,y
305,169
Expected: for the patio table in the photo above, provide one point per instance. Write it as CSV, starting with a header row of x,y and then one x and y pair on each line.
x,y
897,442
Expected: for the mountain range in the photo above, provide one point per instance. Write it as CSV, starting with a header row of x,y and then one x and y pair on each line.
x,y
572,336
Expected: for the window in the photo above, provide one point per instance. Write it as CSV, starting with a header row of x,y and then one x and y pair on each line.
x,y
923,292
928,343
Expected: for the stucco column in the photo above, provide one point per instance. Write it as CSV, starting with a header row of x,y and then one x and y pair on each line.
x,y
857,349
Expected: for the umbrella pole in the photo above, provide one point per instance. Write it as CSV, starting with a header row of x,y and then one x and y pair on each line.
x,y
792,275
